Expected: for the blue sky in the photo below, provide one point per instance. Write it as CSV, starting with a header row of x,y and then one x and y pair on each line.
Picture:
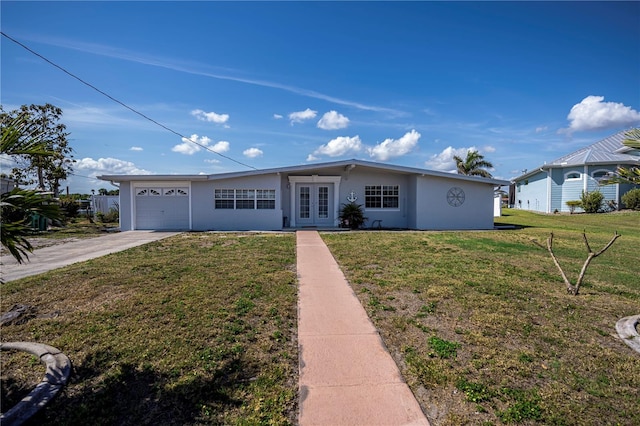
x,y
272,84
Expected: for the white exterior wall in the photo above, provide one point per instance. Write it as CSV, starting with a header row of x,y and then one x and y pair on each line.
x,y
356,182
206,217
422,200
435,213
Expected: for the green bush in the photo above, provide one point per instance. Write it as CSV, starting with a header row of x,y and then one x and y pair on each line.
x,y
631,199
573,205
591,201
111,217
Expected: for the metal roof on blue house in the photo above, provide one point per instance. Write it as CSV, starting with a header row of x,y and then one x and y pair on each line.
x,y
610,150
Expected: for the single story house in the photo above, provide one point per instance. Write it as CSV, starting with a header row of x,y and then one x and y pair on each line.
x,y
548,188
306,196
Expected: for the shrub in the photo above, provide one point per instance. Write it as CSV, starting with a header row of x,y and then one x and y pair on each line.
x,y
70,208
351,215
573,205
631,199
112,216
591,201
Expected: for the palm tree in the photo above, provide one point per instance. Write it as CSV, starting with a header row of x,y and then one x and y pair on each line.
x,y
18,206
627,174
473,165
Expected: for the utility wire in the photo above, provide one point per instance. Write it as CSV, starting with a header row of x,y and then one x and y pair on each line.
x,y
122,103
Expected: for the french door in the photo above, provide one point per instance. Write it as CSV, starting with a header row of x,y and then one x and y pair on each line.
x,y
314,204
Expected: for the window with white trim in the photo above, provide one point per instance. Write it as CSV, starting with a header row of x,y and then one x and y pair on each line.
x,y
573,176
245,199
381,196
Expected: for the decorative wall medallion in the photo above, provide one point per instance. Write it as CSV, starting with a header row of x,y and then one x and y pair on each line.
x,y
455,196
352,197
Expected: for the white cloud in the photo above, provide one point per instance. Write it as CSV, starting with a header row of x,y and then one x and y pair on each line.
x,y
136,148
196,143
192,145
594,114
444,160
108,166
210,116
541,129
332,120
211,161
488,148
221,146
300,116
252,152
395,147
277,116
341,145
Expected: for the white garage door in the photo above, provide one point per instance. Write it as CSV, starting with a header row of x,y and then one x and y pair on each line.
x,y
162,208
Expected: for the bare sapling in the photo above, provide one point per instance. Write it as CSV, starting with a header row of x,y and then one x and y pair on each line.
x,y
574,289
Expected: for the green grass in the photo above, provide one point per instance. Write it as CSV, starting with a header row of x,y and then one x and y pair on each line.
x,y
195,329
201,328
483,329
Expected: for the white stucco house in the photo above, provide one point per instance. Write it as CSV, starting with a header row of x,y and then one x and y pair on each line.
x,y
548,187
306,196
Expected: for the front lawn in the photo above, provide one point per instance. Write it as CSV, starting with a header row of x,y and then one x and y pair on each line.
x,y
483,329
195,329
201,328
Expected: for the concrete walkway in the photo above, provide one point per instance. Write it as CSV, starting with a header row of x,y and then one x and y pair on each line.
x,y
347,377
57,256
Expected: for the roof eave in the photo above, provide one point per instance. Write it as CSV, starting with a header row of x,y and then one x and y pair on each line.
x,y
307,167
130,178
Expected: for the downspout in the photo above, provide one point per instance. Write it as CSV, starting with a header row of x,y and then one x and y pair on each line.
x,y
549,188
618,191
190,209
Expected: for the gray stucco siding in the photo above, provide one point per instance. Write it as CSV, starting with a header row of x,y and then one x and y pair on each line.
x,y
391,217
126,206
434,212
207,217
305,196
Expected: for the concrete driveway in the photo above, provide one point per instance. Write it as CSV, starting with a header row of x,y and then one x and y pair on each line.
x,y
59,255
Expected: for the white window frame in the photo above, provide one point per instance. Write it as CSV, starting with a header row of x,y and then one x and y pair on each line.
x,y
382,197
242,196
566,176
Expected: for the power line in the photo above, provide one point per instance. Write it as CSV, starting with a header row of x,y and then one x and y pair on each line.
x,y
122,103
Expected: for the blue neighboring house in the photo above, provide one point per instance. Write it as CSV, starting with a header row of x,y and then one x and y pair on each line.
x,y
547,188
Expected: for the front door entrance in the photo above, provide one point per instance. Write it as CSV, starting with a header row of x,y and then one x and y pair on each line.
x,y
314,204
314,200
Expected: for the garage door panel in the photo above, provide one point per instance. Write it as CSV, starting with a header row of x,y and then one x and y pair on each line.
x,y
162,212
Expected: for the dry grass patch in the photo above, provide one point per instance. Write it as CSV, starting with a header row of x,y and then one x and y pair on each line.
x,y
195,329
482,327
